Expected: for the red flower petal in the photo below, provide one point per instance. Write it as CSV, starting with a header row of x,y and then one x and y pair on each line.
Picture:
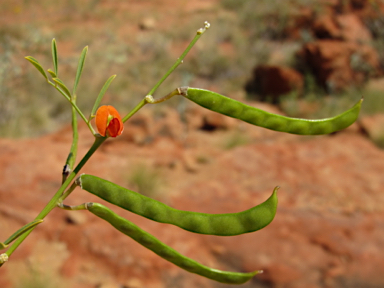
x,y
114,127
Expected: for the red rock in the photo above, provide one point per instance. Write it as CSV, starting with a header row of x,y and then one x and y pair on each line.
x,y
274,81
338,65
301,20
352,29
346,27
147,23
325,27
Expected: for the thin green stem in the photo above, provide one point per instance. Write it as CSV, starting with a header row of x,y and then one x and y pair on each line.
x,y
180,59
19,232
71,159
77,207
74,106
55,199
137,108
61,194
75,139
69,191
151,100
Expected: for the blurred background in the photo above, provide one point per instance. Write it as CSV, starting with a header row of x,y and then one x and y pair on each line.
x,y
301,58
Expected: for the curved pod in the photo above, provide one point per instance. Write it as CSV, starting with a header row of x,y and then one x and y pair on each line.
x,y
164,251
232,108
228,224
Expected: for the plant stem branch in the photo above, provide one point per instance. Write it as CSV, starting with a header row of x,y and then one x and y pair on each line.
x,y
55,199
180,59
137,108
74,106
151,100
60,195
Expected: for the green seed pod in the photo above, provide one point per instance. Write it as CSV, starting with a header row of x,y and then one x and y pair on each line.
x,y
232,108
228,224
164,251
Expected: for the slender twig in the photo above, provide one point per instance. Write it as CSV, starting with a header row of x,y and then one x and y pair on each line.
x,y
137,108
69,207
74,106
64,191
71,159
151,100
180,59
55,199
61,194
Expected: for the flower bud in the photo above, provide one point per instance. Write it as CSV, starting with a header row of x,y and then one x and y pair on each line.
x,y
108,121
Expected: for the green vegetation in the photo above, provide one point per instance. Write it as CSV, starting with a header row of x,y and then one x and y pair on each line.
x,y
244,34
109,124
138,58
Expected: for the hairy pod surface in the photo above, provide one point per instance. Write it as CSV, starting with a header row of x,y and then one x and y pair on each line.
x,y
164,251
228,224
232,108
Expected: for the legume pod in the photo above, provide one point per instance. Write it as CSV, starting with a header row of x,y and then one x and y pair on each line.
x,y
232,108
228,224
164,251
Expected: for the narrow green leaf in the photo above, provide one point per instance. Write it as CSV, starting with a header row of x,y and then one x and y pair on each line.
x,y
52,73
62,92
54,56
21,231
101,94
36,63
75,139
71,159
72,101
80,68
62,86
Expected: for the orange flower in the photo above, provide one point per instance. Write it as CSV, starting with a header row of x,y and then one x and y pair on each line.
x,y
108,121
